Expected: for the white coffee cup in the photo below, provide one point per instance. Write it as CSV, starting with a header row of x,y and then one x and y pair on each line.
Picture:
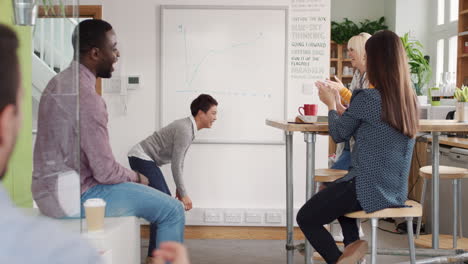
x,y
95,209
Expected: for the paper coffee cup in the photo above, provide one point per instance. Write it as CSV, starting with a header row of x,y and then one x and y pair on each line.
x,y
95,209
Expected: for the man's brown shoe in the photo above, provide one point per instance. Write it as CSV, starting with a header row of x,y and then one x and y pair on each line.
x,y
354,252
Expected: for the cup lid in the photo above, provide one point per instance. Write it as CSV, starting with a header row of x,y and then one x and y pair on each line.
x,y
94,202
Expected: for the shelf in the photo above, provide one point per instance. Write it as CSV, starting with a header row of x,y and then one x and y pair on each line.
x,y
347,60
347,76
333,59
464,55
464,12
464,33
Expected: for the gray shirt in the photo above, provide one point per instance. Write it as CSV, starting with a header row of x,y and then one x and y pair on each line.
x,y
169,145
35,240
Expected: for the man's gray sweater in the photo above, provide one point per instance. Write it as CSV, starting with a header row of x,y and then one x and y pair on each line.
x,y
169,145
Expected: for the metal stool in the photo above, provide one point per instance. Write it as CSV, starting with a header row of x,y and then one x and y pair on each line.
x,y
408,212
449,173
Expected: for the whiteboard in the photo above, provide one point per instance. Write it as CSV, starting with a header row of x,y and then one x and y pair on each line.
x,y
238,55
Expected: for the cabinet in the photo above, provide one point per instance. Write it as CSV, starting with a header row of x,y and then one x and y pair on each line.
x,y
340,63
462,61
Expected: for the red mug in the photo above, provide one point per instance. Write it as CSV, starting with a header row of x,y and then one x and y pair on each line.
x,y
309,109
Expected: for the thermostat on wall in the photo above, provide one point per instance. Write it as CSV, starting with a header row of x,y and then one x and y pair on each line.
x,y
133,82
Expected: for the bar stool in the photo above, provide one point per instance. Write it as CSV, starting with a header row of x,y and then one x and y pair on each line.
x,y
328,175
447,173
408,212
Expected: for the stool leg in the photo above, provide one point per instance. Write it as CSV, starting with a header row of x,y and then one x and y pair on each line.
x,y
455,212
409,227
460,207
423,196
374,223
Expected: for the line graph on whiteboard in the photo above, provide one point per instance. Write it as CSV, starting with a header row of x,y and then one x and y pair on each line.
x,y
193,66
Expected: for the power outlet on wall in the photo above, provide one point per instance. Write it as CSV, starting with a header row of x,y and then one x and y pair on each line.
x,y
273,218
212,216
253,217
233,217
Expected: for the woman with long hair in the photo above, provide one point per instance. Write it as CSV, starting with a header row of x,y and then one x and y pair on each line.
x,y
384,122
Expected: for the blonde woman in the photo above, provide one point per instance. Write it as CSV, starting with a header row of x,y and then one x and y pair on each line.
x,y
357,53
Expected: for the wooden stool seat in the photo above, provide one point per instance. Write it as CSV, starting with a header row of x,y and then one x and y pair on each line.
x,y
454,174
329,175
407,212
445,172
414,211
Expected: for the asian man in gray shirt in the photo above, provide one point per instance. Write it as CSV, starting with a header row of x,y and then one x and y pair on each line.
x,y
170,144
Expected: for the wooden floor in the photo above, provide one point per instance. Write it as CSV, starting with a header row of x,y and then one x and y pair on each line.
x,y
445,242
233,232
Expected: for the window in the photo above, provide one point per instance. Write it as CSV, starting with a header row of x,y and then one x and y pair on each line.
x,y
453,10
440,12
440,61
445,36
452,64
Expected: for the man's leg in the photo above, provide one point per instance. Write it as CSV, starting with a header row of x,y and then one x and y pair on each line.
x,y
152,172
127,199
157,181
324,207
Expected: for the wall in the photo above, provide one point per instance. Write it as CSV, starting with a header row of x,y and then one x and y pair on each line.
x,y
390,14
217,176
18,178
357,10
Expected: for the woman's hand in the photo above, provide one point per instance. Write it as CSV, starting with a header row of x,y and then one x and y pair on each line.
x,y
327,95
337,84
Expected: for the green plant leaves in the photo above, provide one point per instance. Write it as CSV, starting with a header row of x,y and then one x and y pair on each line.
x,y
461,94
342,32
418,64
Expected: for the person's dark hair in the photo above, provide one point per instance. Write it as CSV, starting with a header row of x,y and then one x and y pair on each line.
x,y
388,71
203,102
9,67
91,34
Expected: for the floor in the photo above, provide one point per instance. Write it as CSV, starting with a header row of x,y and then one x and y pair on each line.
x,y
273,251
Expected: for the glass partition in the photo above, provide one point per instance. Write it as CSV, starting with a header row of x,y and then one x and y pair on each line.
x,y
55,114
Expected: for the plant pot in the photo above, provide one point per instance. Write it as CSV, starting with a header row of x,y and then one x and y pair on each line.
x,y
422,99
435,100
462,112
25,12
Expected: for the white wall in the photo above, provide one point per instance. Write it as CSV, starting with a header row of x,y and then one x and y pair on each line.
x,y
357,10
390,14
217,176
413,16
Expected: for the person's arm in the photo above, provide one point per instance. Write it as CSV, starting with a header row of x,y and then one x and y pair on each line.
x,y
96,147
341,128
345,95
172,252
182,141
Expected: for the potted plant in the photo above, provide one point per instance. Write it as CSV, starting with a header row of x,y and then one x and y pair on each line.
x,y
461,94
342,32
420,69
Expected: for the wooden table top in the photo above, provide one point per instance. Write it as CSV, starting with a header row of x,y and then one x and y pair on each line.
x,y
425,125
